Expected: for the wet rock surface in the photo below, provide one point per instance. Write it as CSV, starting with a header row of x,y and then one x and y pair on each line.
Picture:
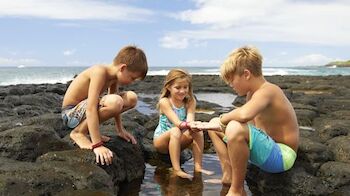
x,y
37,158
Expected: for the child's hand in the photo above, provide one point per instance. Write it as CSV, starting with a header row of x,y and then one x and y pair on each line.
x,y
194,126
103,155
127,136
206,126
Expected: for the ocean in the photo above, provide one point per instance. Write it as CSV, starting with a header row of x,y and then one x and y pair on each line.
x,y
39,75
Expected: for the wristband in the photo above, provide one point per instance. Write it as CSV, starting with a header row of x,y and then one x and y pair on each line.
x,y
97,145
222,125
184,125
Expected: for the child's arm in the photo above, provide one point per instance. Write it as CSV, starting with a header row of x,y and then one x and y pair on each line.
x,y
121,132
112,89
118,121
257,102
191,109
97,80
165,108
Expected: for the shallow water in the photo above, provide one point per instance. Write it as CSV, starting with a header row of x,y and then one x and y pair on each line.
x,y
223,99
158,180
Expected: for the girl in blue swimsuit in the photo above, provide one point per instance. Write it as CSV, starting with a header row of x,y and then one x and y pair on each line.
x,y
177,108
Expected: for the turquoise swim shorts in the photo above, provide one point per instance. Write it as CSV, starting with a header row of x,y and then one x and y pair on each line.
x,y
268,155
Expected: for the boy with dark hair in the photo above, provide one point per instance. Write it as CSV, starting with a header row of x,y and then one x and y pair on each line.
x,y
84,107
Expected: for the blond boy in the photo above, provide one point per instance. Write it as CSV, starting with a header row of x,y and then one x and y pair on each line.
x,y
84,106
264,130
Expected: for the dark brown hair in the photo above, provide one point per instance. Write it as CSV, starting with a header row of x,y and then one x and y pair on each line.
x,y
134,58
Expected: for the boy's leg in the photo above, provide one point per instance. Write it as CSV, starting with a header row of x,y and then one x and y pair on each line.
x,y
129,100
110,106
238,151
221,151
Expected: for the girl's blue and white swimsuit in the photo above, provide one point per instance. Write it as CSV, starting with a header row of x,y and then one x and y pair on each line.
x,y
165,124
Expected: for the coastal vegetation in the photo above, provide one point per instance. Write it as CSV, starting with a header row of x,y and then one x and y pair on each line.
x,y
339,63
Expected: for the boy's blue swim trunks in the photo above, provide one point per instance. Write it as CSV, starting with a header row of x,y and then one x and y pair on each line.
x,y
268,155
72,115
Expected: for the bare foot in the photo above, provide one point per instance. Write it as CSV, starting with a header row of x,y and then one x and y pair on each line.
x,y
182,174
204,171
231,192
105,138
217,181
81,140
213,181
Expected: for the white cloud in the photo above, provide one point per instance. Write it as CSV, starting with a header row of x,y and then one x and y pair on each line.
x,y
283,53
316,22
16,62
69,52
174,42
72,10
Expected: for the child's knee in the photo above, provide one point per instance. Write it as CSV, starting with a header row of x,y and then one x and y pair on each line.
x,y
115,103
130,99
236,131
175,133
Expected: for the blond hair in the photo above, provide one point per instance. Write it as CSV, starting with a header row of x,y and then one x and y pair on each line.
x,y
247,57
134,58
170,79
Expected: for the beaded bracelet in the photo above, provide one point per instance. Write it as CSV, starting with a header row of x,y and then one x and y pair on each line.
x,y
222,125
184,125
97,145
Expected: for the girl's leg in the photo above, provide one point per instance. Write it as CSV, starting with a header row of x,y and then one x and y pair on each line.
x,y
221,151
173,141
174,151
197,149
238,150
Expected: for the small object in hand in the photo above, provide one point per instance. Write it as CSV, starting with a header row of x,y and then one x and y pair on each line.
x,y
223,127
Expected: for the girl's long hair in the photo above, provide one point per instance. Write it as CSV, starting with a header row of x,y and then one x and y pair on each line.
x,y
170,79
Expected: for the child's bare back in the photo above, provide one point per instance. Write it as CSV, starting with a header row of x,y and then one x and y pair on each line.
x,y
78,90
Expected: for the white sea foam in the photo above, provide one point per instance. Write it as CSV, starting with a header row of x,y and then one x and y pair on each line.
x,y
38,75
38,80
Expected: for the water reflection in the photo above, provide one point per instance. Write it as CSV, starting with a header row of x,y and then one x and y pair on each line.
x,y
159,180
172,185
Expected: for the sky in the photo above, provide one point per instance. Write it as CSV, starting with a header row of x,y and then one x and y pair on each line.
x,y
173,32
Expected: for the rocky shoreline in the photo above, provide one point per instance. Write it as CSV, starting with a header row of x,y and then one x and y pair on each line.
x,y
37,157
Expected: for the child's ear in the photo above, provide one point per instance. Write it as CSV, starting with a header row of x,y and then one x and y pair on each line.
x,y
247,74
122,67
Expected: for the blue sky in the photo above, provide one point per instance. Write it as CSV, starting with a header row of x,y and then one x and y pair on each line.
x,y
173,32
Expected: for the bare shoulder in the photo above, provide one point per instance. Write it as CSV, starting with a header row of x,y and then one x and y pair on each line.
x,y
271,89
97,70
163,102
